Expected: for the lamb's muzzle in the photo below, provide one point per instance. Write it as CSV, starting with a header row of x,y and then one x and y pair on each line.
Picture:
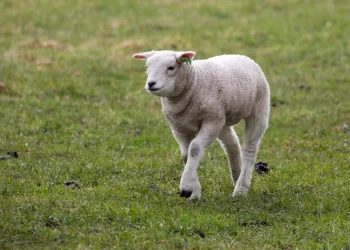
x,y
151,87
202,101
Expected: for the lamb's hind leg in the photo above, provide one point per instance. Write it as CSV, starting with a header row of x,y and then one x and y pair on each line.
x,y
230,143
254,130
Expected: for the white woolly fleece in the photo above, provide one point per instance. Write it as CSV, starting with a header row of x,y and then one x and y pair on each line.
x,y
202,101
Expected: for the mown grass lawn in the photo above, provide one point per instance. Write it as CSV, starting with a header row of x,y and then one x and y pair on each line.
x,y
72,105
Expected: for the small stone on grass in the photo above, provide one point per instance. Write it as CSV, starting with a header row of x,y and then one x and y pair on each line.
x,y
9,155
72,184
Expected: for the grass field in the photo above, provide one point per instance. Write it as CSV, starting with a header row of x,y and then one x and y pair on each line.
x,y
72,104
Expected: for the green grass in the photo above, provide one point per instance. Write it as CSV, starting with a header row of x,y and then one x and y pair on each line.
x,y
73,106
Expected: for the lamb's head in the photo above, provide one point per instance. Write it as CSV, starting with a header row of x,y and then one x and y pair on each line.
x,y
165,71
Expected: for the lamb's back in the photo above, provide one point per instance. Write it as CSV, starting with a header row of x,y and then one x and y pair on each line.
x,y
229,82
228,70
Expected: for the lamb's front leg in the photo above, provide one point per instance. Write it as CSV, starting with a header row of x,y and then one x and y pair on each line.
x,y
184,141
189,185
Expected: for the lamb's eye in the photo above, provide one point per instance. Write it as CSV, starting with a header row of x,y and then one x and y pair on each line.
x,y
171,68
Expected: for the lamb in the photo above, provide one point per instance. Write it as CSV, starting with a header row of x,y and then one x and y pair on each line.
x,y
202,100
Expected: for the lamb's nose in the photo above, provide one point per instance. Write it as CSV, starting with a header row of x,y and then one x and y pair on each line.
x,y
151,84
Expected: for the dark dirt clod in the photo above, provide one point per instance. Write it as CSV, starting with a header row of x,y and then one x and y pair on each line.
x,y
3,88
51,222
305,87
255,224
261,167
277,103
9,155
72,184
13,154
199,233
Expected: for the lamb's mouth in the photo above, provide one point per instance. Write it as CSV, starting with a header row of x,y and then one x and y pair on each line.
x,y
153,89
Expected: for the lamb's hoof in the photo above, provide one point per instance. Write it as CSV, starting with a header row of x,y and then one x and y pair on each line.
x,y
185,193
239,192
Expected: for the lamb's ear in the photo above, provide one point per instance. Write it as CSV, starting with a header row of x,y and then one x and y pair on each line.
x,y
185,56
144,55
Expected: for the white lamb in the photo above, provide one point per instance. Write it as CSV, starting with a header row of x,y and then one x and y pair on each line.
x,y
202,101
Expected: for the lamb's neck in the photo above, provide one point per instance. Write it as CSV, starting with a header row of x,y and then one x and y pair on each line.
x,y
179,104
